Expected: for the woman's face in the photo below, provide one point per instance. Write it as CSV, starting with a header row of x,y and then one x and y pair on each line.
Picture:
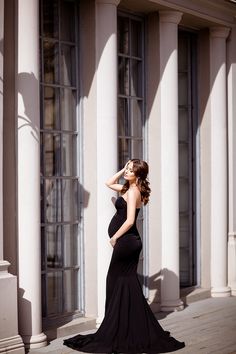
x,y
129,173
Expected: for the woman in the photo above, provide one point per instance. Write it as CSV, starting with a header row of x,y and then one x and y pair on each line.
x,y
129,325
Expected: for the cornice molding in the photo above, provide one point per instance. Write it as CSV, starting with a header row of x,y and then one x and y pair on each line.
x,y
211,11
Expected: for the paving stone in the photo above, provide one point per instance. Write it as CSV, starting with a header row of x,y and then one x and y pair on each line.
x,y
207,327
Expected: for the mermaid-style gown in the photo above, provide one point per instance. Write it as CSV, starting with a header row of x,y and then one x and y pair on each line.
x,y
129,326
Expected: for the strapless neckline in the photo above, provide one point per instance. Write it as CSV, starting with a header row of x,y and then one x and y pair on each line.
x,y
126,201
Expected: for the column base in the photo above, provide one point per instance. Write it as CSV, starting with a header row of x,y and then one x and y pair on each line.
x,y
34,342
223,291
233,291
172,305
10,341
12,345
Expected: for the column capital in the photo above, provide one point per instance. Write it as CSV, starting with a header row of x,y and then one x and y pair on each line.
x,y
108,2
170,16
219,32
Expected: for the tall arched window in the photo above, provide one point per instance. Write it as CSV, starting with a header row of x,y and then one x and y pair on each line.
x,y
60,172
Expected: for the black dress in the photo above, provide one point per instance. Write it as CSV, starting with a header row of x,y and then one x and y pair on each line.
x,y
129,326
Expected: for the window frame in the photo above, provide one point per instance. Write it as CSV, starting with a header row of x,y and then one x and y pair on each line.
x,y
144,133
48,320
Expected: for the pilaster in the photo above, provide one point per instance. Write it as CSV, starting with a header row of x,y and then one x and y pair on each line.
x,y
10,341
231,89
28,149
219,220
106,62
170,295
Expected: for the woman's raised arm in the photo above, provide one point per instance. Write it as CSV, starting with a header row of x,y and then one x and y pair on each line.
x,y
112,182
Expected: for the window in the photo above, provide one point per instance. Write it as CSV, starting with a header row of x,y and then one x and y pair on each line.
x,y
131,118
188,164
130,88
60,184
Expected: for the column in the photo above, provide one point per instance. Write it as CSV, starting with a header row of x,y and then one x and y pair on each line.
x,y
170,299
232,161
28,130
10,341
1,124
106,61
219,205
154,140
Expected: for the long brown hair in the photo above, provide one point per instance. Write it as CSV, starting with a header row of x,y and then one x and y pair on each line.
x,y
140,169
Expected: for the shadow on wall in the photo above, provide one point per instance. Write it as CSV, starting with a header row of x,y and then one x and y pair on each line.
x,y
154,283
24,314
28,123
29,88
1,46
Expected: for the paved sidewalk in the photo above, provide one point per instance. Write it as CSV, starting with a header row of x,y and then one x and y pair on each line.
x,y
206,326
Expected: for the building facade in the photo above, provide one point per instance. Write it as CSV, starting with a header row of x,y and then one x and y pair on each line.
x,y
85,86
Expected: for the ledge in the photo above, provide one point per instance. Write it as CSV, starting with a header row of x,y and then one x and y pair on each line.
x,y
75,326
193,294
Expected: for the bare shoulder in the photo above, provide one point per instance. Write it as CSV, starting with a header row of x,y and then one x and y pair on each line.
x,y
133,192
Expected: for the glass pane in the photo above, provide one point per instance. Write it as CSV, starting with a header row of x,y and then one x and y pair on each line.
x,y
124,151
136,38
71,244
137,126
67,20
183,54
50,18
43,249
68,155
70,200
183,125
136,78
137,149
71,290
54,293
51,62
183,89
68,109
52,154
184,230
184,265
184,195
123,76
68,75
53,200
44,292
123,35
51,108
42,198
123,118
183,160
54,246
